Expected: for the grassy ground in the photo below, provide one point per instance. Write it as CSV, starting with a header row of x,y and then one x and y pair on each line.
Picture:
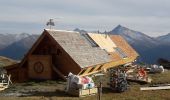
x,y
54,90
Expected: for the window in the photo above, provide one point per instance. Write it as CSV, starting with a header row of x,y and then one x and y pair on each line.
x,y
121,53
90,40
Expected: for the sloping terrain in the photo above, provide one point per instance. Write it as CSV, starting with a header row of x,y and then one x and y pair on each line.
x,y
6,61
18,49
7,39
164,38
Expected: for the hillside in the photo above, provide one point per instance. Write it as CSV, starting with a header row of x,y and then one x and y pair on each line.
x,y
6,61
17,49
7,39
164,38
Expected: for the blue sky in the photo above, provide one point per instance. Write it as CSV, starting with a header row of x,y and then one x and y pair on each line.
x,y
151,17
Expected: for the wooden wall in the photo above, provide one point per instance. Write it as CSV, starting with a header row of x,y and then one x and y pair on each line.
x,y
17,73
39,67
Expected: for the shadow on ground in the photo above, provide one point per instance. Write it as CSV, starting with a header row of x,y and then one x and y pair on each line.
x,y
58,93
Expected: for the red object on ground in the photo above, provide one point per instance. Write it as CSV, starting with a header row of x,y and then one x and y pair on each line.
x,y
142,72
85,80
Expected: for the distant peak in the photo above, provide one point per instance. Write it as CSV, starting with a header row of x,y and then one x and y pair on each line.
x,y
76,29
79,30
121,27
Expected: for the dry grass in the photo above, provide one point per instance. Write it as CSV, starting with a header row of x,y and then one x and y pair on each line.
x,y
161,78
6,61
54,90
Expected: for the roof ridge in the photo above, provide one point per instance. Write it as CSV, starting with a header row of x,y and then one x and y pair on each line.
x,y
61,30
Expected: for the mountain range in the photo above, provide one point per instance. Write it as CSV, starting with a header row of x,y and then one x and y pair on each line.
x,y
15,46
149,48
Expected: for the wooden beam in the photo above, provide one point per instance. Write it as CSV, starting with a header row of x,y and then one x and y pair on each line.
x,y
97,67
89,73
117,63
94,72
155,88
80,72
58,72
110,65
87,70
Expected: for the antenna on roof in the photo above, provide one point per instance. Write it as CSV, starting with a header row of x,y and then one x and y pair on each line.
x,y
50,23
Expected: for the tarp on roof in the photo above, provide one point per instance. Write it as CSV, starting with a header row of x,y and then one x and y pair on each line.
x,y
104,41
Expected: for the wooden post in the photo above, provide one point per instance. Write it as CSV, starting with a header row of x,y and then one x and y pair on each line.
x,y
100,91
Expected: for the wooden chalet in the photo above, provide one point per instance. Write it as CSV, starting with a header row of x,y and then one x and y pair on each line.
x,y
58,52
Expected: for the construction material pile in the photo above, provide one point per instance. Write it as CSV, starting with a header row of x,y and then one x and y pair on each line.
x,y
139,74
76,84
118,80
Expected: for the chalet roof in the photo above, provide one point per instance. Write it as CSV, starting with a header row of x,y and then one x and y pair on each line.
x,y
82,52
